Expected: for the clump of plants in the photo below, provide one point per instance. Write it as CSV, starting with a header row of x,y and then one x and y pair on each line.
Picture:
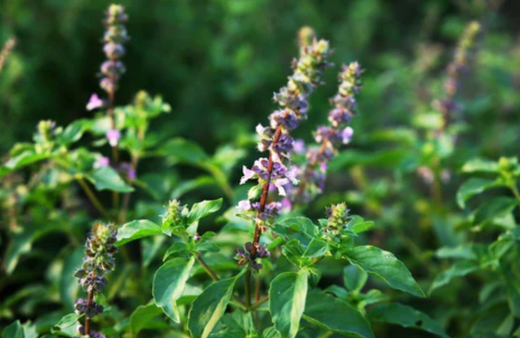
x,y
279,252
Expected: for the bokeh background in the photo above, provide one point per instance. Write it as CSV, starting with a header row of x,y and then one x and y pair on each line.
x,y
219,62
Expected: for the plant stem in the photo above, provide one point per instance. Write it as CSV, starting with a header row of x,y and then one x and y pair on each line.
x,y
87,319
259,303
92,197
206,267
247,287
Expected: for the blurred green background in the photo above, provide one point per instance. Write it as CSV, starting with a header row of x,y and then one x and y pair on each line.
x,y
217,63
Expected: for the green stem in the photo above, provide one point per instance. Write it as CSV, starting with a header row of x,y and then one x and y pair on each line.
x,y
247,287
259,303
92,197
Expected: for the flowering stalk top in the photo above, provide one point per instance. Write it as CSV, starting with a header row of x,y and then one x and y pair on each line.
x,y
313,174
271,171
99,258
455,69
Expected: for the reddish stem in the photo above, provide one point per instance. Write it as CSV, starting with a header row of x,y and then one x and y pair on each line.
x,y
87,319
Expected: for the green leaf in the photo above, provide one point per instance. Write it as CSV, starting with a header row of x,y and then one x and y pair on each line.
x,y
287,295
385,266
14,330
169,283
67,324
336,315
74,131
405,316
21,243
458,252
459,269
479,165
359,225
69,286
142,316
181,150
472,187
202,209
210,306
497,207
135,230
24,159
354,278
106,178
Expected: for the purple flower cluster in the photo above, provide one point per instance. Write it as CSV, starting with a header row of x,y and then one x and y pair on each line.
x,y
313,174
115,36
244,255
275,138
99,258
455,69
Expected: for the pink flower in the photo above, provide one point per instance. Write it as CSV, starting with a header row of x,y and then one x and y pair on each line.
x,y
94,102
248,174
346,135
299,146
113,137
244,205
102,162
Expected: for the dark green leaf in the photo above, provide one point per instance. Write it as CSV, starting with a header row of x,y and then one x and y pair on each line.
x,y
287,295
135,230
354,278
181,150
406,317
472,187
142,316
497,207
169,283
15,330
336,315
385,266
458,269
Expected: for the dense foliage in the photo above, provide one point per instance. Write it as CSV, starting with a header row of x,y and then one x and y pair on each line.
x,y
158,217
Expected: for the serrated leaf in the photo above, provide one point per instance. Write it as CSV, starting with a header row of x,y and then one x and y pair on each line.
x,y
210,306
106,178
336,315
135,230
385,266
405,316
169,283
287,294
472,187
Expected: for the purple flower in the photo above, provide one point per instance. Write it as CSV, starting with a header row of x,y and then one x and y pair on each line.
x,y
299,146
129,170
248,174
102,162
113,136
94,102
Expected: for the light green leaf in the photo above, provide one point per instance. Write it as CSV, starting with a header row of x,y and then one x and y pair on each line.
x,y
67,324
202,209
74,131
24,159
135,230
142,316
458,252
385,266
405,316
472,187
210,306
459,269
287,295
359,225
14,330
106,178
169,283
336,315
479,165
